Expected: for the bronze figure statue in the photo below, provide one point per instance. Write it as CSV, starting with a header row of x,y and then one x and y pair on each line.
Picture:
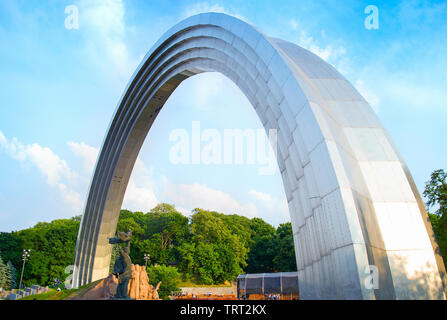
x,y
123,265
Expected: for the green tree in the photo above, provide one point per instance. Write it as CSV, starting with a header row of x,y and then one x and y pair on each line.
x,y
8,277
169,277
77,218
273,250
261,228
52,250
284,260
262,251
170,224
208,268
219,254
126,224
187,263
114,256
10,247
440,231
436,194
209,248
240,226
135,221
261,255
13,272
5,275
157,233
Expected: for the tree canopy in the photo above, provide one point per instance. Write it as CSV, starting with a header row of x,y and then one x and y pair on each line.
x,y
169,277
207,247
52,250
5,275
436,194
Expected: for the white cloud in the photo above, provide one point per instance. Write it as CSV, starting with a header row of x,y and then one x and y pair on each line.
x,y
260,195
416,95
4,217
283,209
369,96
144,193
87,153
204,92
139,198
190,196
72,198
293,24
70,184
141,193
56,171
274,209
333,54
204,87
183,211
203,7
103,27
402,89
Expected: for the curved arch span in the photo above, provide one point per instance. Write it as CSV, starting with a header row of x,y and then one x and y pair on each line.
x,y
352,201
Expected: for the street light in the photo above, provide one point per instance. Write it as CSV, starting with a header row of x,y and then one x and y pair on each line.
x,y
25,256
146,257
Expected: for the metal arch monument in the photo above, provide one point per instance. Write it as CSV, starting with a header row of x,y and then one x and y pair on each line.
x,y
352,201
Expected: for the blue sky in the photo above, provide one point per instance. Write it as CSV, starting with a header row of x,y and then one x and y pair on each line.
x,y
60,87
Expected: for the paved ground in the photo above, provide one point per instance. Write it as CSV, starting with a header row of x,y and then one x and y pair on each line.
x,y
212,290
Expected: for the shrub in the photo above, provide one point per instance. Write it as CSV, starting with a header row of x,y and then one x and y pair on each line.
x,y
169,277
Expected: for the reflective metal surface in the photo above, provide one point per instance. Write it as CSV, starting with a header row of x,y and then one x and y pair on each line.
x,y
351,198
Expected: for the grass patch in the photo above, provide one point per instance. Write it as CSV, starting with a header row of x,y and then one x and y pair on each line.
x,y
53,294
81,291
50,295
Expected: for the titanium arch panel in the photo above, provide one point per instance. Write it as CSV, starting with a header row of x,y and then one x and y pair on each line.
x,y
351,198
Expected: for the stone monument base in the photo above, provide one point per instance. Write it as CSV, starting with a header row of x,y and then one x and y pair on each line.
x,y
139,287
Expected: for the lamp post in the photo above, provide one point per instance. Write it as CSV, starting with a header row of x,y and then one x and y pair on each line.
x,y
146,257
25,256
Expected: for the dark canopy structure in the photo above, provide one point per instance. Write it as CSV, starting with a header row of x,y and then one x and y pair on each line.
x,y
268,283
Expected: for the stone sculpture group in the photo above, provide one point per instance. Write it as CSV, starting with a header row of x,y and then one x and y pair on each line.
x,y
139,287
123,264
127,281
